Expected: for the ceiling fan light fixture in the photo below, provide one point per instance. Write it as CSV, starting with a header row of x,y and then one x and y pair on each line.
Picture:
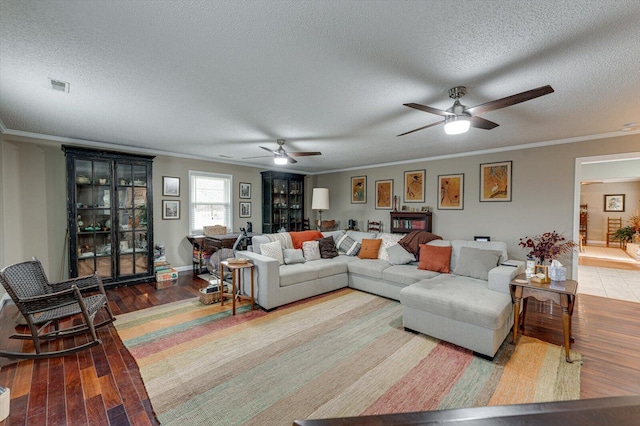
x,y
456,124
280,160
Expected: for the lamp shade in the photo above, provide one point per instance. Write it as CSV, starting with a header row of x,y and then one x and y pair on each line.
x,y
320,199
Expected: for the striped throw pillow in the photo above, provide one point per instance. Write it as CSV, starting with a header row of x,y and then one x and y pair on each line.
x,y
347,245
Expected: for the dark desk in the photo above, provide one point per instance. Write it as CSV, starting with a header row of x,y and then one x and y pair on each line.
x,y
204,246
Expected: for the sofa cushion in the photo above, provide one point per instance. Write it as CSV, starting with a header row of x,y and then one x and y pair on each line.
x,y
327,248
360,235
311,250
292,256
459,298
347,245
335,234
476,263
297,238
273,250
296,274
434,258
330,267
388,240
399,256
406,274
283,237
368,267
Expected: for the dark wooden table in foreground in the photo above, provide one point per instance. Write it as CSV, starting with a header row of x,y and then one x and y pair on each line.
x,y
619,411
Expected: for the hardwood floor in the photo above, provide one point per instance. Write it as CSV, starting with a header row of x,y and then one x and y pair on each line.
x,y
102,385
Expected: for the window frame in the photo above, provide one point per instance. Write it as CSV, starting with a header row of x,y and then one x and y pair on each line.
x,y
193,174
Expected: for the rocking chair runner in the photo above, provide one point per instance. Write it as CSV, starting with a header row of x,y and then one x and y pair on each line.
x,y
45,305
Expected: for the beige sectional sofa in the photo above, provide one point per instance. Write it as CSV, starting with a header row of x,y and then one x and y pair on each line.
x,y
470,312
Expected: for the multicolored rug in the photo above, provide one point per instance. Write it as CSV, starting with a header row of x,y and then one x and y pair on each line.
x,y
340,354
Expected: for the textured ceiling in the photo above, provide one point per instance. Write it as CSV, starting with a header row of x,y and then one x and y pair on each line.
x,y
218,79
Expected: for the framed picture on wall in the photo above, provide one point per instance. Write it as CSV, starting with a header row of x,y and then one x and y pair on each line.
x,y
495,181
414,186
384,194
451,192
171,186
614,203
170,209
245,209
245,190
359,190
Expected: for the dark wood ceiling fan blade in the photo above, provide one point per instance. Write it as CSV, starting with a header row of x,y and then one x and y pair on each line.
x,y
302,154
267,149
258,156
291,160
510,100
432,110
422,128
482,123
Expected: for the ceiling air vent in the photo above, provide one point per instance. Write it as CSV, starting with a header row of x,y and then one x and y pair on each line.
x,y
60,86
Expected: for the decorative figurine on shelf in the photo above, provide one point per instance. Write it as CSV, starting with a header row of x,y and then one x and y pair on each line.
x,y
395,203
79,222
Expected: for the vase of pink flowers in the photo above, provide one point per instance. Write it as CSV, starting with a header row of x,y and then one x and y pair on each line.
x,y
547,246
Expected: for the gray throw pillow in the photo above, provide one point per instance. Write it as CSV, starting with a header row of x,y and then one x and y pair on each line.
x,y
293,256
399,256
476,263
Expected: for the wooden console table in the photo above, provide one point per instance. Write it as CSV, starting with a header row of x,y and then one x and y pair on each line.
x,y
562,293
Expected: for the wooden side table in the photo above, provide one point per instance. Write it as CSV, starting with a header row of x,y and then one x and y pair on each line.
x,y
236,283
562,293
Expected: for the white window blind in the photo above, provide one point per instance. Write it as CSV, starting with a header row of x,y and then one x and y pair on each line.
x,y
209,201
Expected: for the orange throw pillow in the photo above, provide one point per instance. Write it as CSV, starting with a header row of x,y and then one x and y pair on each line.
x,y
369,249
435,258
297,238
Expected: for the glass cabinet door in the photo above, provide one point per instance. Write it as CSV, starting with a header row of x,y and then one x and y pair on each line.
x,y
93,213
133,240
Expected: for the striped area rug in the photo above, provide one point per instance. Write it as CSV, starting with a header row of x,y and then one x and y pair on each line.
x,y
341,354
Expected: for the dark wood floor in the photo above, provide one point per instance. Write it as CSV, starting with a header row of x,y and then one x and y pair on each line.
x,y
102,385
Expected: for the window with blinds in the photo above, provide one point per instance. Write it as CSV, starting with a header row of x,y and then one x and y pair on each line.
x,y
209,201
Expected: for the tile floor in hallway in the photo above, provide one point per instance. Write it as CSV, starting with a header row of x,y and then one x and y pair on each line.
x,y
622,281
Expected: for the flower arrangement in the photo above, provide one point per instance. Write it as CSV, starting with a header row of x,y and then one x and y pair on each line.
x,y
547,246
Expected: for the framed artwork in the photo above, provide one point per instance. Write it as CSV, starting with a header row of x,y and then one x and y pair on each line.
x,y
384,194
245,190
245,209
359,190
614,203
495,181
171,186
451,192
170,209
414,186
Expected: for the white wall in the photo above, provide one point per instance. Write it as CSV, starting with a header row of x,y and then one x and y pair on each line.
x,y
543,192
33,215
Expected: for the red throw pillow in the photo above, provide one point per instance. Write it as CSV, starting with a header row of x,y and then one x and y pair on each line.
x,y
369,249
435,258
297,238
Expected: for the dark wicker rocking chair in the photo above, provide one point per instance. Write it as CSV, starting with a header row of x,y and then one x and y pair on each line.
x,y
44,305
